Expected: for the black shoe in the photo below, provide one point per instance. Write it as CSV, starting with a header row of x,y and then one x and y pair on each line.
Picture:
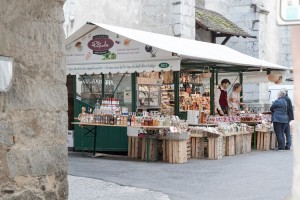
x,y
287,148
277,149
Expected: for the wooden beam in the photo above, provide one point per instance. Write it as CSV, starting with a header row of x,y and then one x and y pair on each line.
x,y
221,35
225,40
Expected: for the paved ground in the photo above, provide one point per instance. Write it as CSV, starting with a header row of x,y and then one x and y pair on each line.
x,y
94,189
255,176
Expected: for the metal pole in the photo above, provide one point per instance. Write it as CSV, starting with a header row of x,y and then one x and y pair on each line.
x,y
133,91
212,93
147,146
241,82
95,140
176,76
217,77
103,86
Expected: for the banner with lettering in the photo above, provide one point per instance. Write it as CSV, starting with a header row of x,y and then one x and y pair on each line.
x,y
102,51
105,68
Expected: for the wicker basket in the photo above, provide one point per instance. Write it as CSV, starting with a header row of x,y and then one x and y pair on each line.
x,y
206,73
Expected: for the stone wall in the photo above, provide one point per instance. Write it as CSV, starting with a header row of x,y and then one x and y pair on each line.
x,y
33,114
170,17
118,12
285,50
242,14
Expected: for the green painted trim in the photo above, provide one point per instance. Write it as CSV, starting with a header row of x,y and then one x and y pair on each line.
x,y
103,85
74,86
176,77
212,93
118,84
133,90
199,66
217,77
241,82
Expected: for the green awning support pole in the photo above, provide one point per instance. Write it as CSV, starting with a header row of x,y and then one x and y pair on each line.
x,y
133,91
176,77
241,82
212,93
103,86
74,79
217,77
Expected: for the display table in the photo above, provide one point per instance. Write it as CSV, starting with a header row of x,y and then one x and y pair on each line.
x,y
92,128
201,124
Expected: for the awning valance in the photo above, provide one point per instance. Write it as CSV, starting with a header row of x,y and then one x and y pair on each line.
x,y
102,46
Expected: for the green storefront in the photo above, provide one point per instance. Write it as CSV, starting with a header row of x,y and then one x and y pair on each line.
x,y
105,61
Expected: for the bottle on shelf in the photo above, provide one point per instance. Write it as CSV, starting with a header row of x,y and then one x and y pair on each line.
x,y
111,120
97,112
132,123
129,120
188,88
150,121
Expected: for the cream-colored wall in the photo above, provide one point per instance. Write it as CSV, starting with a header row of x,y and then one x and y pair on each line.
x,y
296,140
269,33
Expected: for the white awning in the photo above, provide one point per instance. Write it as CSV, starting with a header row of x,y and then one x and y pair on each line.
x,y
184,48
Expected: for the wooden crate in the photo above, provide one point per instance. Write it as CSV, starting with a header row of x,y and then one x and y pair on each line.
x,y
224,147
197,147
189,148
246,143
266,140
215,148
273,139
230,146
134,147
238,139
153,149
174,151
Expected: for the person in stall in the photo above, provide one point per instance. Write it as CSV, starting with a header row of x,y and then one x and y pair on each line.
x,y
290,114
234,100
280,119
221,101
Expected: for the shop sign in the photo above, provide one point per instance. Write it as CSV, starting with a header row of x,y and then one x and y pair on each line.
x,y
164,65
100,44
127,96
288,12
105,68
103,46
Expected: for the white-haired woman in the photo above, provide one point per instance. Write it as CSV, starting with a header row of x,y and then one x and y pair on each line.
x,y
280,119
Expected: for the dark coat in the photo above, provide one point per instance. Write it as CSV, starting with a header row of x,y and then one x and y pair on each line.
x,y
279,111
290,111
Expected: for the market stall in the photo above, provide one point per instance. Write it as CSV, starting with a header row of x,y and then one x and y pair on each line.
x,y
145,72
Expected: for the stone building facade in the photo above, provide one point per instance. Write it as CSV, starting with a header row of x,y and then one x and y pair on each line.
x,y
272,42
170,17
258,18
33,113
